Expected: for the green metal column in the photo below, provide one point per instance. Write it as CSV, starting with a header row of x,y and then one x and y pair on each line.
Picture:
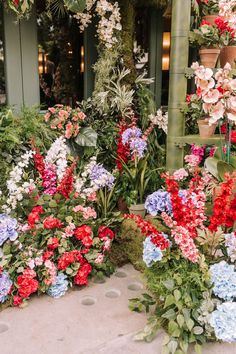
x,y
180,24
155,52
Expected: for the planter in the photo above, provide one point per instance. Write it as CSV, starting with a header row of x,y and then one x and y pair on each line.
x,y
206,130
228,55
137,209
209,56
210,18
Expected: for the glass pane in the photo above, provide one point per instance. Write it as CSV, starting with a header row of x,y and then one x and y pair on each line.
x,y
60,59
2,73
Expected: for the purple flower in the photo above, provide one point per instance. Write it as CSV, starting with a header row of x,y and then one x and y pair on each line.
x,y
138,146
101,178
7,228
158,202
130,133
5,286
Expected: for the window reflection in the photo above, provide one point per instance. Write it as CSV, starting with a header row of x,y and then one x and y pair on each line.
x,y
2,73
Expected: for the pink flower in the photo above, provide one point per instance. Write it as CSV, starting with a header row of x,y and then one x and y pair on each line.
x,y
92,197
192,160
99,259
180,174
47,116
52,110
212,96
216,112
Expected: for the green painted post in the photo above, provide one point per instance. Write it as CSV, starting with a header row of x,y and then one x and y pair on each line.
x,y
180,24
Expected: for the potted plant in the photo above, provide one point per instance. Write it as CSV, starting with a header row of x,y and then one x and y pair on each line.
x,y
207,38
228,41
216,93
209,10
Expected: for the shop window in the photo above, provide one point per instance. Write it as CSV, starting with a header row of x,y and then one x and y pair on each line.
x,y
60,59
2,71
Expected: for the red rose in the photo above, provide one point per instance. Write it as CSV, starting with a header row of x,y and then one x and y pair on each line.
x,y
53,243
81,277
84,234
47,255
50,223
17,300
105,232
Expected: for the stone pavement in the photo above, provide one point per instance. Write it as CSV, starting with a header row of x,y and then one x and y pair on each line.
x,y
94,320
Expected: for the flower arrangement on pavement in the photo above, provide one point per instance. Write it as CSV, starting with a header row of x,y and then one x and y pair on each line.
x,y
190,267
50,235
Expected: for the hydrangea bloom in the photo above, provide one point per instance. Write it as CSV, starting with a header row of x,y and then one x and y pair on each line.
x,y
223,320
158,202
223,277
5,286
151,253
7,228
60,287
230,243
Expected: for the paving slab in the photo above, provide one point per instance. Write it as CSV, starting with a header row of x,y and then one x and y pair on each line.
x,y
94,320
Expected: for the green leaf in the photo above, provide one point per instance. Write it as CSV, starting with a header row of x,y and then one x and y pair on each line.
x,y
177,295
197,330
180,320
172,327
172,346
211,166
170,300
170,314
190,324
75,5
198,348
69,271
86,137
224,167
52,204
169,284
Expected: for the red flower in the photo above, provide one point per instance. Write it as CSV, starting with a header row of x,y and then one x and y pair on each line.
x,y
34,217
188,98
47,255
26,284
204,22
122,151
51,223
53,243
66,185
17,300
39,161
105,232
81,277
1,270
84,234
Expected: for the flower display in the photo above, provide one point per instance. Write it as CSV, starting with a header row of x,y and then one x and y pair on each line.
x,y
8,228
223,320
60,287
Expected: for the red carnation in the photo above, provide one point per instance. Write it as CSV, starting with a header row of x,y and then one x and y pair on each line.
x,y
51,223
53,243
81,277
84,234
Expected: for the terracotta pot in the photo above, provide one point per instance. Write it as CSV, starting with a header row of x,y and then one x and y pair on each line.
x,y
122,205
206,130
210,18
228,55
209,56
137,209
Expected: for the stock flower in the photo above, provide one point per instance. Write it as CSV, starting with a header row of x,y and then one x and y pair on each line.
x,y
180,174
223,320
8,228
49,179
5,286
81,277
60,287
84,234
230,243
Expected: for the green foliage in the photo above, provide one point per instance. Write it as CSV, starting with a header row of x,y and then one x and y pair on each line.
x,y
17,131
177,286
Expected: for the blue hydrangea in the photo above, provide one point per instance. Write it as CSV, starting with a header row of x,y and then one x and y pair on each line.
x,y
158,202
60,287
7,228
130,133
230,243
151,253
223,278
5,286
223,320
101,178
138,146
